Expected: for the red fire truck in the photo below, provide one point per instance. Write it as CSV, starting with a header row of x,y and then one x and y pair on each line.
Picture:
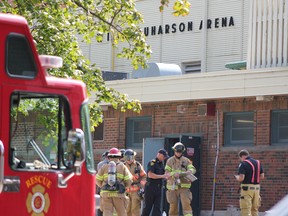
x,y
46,158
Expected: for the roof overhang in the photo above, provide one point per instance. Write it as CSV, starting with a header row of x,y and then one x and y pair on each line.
x,y
206,86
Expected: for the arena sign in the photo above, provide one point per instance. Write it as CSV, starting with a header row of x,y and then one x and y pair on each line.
x,y
182,27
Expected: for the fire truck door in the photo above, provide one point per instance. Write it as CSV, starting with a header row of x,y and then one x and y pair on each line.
x,y
34,130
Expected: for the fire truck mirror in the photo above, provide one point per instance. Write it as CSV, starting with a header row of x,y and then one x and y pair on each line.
x,y
1,166
74,151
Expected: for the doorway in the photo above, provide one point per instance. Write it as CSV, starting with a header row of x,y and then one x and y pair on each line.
x,y
192,146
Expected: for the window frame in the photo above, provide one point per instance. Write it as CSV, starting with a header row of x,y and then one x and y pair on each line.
x,y
64,122
275,117
99,129
130,131
29,55
228,129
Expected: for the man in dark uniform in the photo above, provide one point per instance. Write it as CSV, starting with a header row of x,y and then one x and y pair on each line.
x,y
154,185
250,172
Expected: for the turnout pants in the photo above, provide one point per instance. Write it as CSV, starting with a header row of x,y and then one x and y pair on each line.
x,y
173,196
250,199
134,206
118,203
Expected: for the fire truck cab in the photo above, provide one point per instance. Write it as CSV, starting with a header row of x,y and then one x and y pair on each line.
x,y
46,158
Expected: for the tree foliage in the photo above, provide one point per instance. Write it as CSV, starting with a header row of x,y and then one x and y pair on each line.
x,y
180,8
55,24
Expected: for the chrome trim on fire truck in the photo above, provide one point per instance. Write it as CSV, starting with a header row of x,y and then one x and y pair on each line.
x,y
11,184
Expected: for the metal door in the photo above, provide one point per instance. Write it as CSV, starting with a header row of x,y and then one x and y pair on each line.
x,y
192,145
150,149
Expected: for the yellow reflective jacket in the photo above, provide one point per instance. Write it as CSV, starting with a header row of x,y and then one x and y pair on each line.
x,y
123,176
139,176
181,166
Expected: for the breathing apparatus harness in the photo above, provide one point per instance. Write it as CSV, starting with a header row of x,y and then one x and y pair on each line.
x,y
112,183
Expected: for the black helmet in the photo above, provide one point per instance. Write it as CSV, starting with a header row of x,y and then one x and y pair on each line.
x,y
179,147
105,154
122,152
129,154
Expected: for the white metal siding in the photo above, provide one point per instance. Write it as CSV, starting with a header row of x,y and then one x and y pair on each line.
x,y
268,33
101,55
224,44
245,21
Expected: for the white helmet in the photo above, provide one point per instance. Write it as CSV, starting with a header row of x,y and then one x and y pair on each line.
x,y
178,147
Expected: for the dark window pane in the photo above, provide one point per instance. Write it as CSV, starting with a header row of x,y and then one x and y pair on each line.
x,y
279,127
142,125
20,60
283,133
138,129
99,132
243,134
283,119
238,129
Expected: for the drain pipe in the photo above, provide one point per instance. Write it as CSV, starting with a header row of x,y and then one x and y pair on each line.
x,y
215,165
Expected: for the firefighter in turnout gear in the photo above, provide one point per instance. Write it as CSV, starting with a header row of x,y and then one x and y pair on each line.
x,y
122,155
104,161
181,171
113,178
250,173
135,191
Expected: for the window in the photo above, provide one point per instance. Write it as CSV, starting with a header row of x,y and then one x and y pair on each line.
x,y
39,126
98,133
85,120
279,127
20,62
238,129
191,67
137,129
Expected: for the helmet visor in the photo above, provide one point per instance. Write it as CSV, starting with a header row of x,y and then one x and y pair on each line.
x,y
179,149
129,157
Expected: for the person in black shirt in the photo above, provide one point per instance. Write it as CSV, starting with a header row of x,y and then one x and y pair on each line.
x,y
250,172
154,185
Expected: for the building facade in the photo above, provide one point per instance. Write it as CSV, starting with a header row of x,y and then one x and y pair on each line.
x,y
228,109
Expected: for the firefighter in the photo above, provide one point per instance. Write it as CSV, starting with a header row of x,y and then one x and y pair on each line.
x,y
250,172
179,168
135,191
122,155
104,161
113,178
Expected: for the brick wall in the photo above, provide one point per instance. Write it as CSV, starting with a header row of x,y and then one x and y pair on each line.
x,y
166,121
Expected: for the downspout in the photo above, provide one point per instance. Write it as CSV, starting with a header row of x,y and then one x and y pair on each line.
x,y
215,165
204,38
